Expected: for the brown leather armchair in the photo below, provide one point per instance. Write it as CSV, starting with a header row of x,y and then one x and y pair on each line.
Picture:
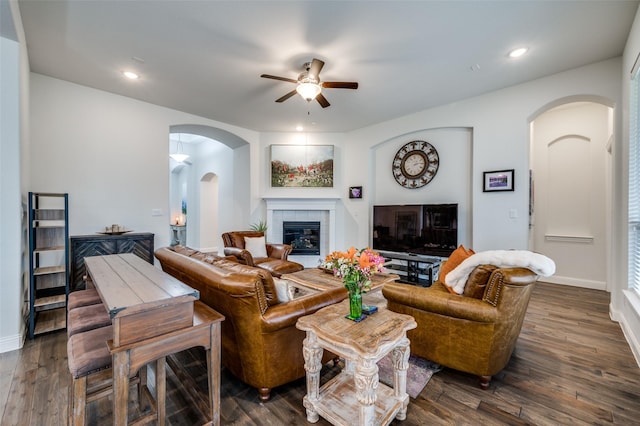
x,y
276,261
475,332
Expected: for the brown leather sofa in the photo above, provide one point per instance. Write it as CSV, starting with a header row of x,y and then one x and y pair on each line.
x,y
276,261
475,332
260,342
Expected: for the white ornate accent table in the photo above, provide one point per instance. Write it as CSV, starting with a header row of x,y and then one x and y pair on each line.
x,y
355,396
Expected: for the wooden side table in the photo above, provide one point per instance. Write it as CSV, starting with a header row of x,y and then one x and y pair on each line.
x,y
355,397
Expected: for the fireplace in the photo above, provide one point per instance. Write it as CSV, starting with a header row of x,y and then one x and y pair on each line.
x,y
323,210
303,237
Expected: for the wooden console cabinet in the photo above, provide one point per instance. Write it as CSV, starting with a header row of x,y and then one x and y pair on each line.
x,y
141,244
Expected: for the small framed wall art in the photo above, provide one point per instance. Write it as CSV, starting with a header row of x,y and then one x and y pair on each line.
x,y
355,192
498,180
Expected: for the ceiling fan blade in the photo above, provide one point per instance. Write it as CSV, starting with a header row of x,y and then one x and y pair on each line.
x,y
275,77
287,96
339,85
314,69
322,100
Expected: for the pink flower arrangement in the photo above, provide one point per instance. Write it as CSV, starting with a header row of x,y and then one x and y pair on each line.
x,y
355,267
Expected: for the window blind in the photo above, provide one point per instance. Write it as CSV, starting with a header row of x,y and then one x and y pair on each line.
x,y
634,183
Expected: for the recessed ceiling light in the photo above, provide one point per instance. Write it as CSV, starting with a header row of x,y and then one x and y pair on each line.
x,y
131,75
299,128
516,53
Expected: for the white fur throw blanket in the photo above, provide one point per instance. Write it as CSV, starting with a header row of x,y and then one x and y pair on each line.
x,y
537,263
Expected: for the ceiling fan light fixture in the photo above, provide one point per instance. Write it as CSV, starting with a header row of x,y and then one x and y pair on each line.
x,y
308,90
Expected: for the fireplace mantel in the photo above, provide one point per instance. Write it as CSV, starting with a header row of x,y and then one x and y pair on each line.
x,y
303,204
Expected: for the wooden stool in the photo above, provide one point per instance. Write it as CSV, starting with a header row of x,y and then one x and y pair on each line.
x,y
89,358
87,318
88,355
83,298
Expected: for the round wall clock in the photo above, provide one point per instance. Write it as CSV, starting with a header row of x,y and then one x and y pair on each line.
x,y
415,164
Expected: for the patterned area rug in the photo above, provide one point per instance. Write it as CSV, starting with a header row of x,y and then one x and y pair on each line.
x,y
418,375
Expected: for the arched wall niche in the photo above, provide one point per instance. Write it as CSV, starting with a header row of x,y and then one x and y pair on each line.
x,y
570,188
452,183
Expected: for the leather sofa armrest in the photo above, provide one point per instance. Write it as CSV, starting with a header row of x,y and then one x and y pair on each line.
x,y
278,251
432,300
286,314
518,276
244,256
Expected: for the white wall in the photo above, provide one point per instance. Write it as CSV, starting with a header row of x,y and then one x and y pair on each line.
x,y
625,304
451,184
11,302
109,152
500,124
14,168
499,139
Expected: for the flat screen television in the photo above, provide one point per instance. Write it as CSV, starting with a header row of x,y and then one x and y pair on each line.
x,y
427,229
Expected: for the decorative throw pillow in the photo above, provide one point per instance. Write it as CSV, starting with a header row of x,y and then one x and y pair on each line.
x,y
256,246
477,282
456,258
282,289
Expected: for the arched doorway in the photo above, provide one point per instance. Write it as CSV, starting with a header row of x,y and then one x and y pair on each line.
x,y
571,190
215,170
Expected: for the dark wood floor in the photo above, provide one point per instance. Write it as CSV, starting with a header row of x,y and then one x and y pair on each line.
x,y
571,366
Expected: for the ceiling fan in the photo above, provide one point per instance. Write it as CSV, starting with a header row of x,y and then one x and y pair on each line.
x,y
309,85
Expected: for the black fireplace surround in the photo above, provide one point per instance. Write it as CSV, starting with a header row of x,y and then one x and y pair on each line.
x,y
303,237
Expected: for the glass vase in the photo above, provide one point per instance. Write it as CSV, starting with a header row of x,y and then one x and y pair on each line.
x,y
355,306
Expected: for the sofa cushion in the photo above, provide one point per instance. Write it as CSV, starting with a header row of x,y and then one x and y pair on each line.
x,y
282,289
279,267
205,257
477,282
256,246
456,258
86,318
184,250
83,298
88,352
265,276
237,238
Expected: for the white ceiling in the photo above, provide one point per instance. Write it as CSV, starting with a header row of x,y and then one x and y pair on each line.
x,y
206,57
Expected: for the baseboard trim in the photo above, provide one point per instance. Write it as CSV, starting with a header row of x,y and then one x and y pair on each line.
x,y
575,282
626,317
11,343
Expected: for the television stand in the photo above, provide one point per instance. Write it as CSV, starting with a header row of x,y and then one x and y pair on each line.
x,y
415,269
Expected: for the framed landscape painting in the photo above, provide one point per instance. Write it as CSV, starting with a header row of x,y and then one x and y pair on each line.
x,y
302,166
